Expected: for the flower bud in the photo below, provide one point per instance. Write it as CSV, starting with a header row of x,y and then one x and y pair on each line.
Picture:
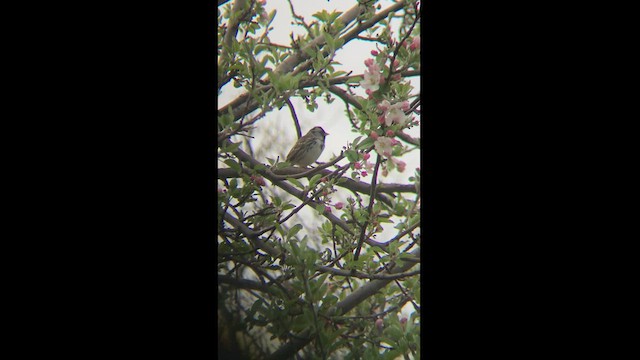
x,y
379,325
383,105
338,205
415,44
374,52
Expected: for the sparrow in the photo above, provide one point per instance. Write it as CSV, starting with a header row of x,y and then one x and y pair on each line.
x,y
308,148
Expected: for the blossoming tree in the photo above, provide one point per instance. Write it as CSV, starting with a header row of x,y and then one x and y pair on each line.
x,y
341,288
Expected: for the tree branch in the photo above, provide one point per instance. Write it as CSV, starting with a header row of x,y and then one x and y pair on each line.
x,y
370,208
361,275
347,183
299,57
252,235
289,349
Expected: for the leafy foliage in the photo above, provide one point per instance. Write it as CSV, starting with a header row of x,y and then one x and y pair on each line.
x,y
335,290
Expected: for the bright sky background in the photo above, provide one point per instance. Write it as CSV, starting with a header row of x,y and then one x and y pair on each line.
x,y
276,131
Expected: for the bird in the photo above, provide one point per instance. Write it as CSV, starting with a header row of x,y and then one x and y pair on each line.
x,y
308,148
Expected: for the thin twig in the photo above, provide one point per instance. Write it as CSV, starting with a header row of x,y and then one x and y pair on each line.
x,y
361,275
295,117
370,208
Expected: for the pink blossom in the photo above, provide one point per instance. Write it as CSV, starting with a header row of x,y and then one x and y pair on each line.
x,y
383,146
373,135
357,166
381,119
327,209
368,166
395,142
372,76
338,205
396,115
415,44
390,133
364,174
374,52
384,105
400,164
405,105
366,156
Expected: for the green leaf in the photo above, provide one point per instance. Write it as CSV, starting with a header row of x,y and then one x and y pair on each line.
x,y
314,180
276,200
394,332
232,147
296,182
414,219
294,230
233,164
329,39
351,155
368,142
